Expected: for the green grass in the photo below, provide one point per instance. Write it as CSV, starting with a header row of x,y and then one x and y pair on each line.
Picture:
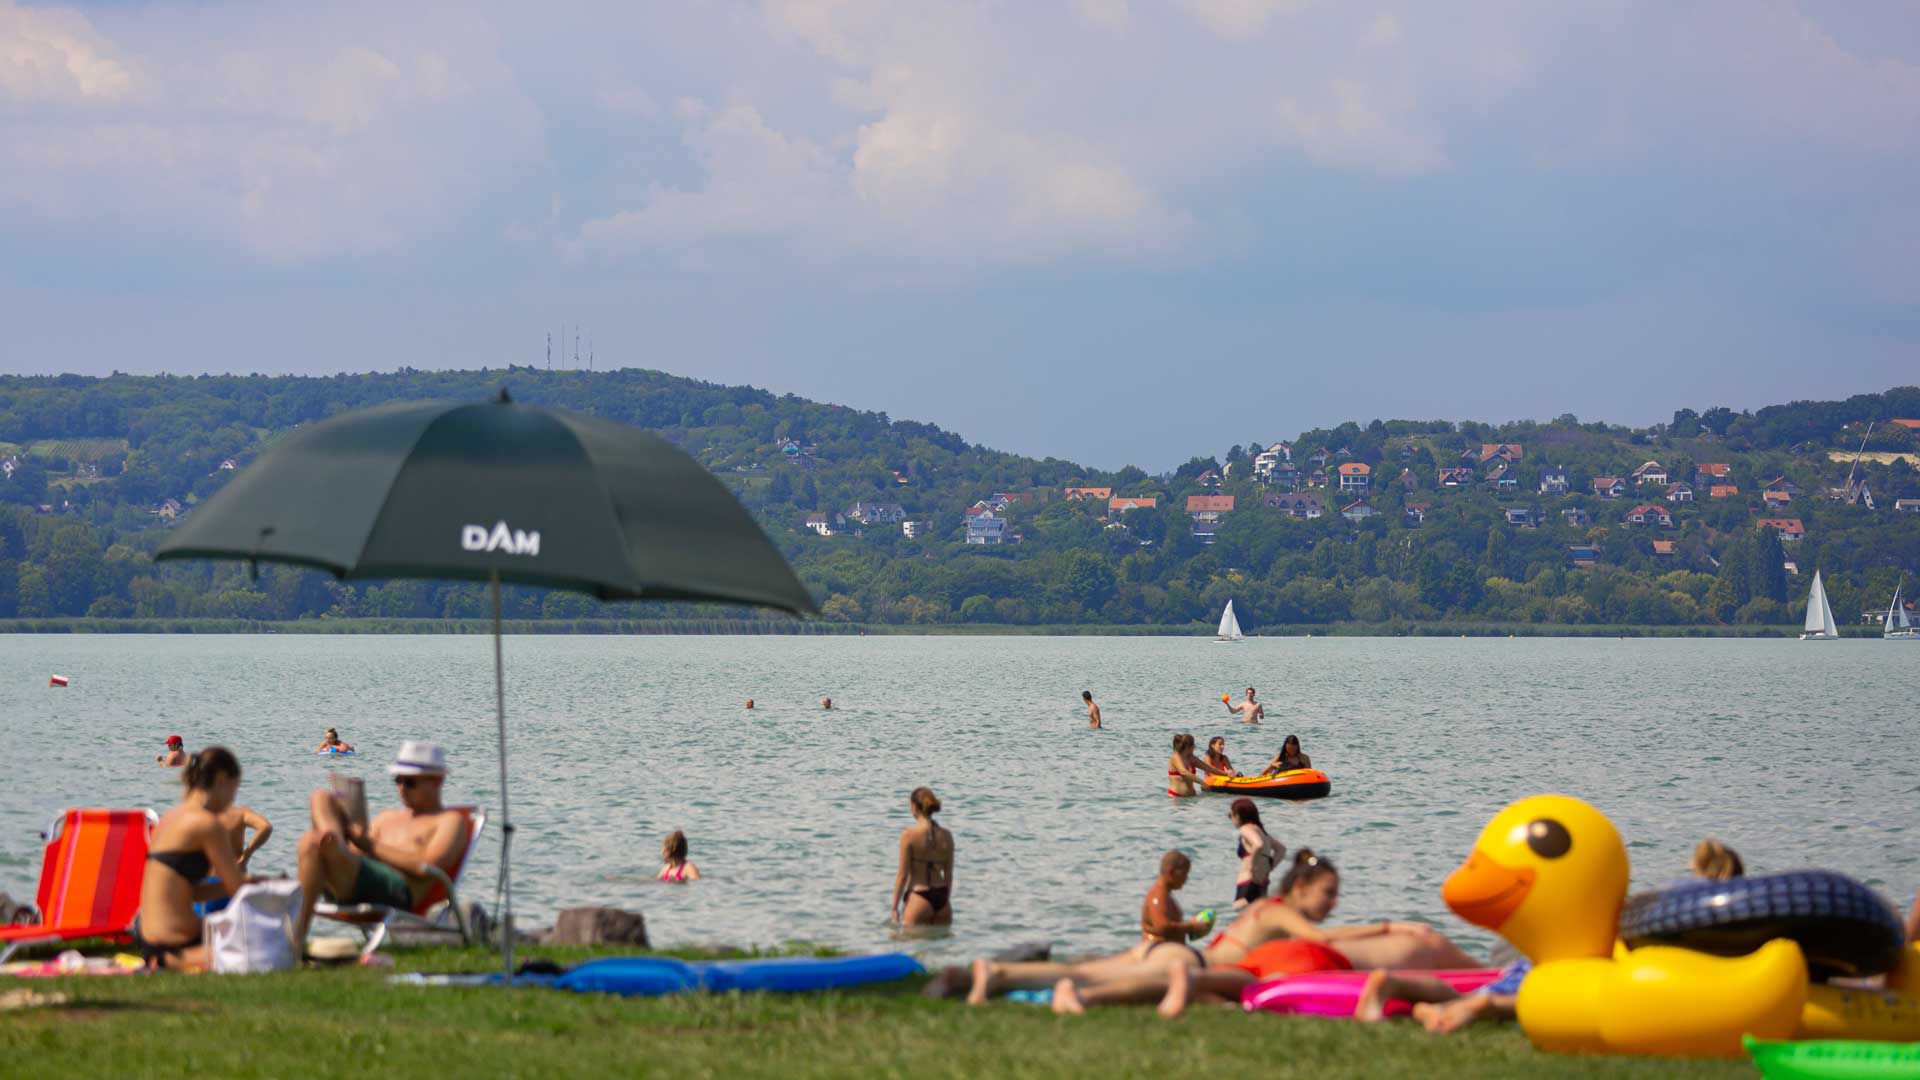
x,y
349,1022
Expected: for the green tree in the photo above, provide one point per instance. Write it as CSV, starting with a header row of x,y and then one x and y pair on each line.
x,y
1088,579
1767,574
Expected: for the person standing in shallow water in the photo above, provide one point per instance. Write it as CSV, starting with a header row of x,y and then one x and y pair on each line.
x,y
1093,711
923,885
176,755
1249,711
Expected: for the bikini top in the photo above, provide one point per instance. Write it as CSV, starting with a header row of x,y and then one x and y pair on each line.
x,y
674,873
192,865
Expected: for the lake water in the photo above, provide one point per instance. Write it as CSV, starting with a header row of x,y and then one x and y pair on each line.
x,y
1797,754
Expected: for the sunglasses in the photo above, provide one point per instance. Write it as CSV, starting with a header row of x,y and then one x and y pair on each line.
x,y
410,781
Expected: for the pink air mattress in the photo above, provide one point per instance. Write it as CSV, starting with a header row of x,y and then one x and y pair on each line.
x,y
1334,993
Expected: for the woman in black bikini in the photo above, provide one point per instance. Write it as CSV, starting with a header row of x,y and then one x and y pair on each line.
x,y
187,846
922,887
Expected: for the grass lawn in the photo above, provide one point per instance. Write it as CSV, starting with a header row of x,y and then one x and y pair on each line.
x,y
349,1022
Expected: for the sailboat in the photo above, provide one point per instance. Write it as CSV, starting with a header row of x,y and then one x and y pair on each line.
x,y
1229,626
1898,627
1820,625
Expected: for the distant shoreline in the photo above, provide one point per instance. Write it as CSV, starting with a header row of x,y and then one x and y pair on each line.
x,y
794,627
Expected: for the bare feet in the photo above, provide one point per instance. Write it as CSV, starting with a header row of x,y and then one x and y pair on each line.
x,y
1066,999
985,979
1451,1017
1371,1008
1179,985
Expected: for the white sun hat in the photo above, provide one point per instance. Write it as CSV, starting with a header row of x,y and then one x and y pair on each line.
x,y
417,758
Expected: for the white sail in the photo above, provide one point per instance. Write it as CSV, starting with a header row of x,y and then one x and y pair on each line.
x,y
1229,626
1887,626
1819,616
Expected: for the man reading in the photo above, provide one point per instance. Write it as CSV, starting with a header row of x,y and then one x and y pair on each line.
x,y
383,861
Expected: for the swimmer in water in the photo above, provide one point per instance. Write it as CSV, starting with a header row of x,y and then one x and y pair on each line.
x,y
1249,711
1093,711
826,703
331,743
176,755
749,703
674,867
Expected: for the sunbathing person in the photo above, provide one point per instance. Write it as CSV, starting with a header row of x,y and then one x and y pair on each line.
x,y
1273,937
187,847
384,861
1164,932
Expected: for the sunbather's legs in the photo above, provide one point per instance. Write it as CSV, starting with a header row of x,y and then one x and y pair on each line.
x,y
326,862
1383,986
1184,987
1423,948
1071,995
990,978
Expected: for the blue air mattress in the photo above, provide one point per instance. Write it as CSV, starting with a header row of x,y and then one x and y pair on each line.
x,y
652,975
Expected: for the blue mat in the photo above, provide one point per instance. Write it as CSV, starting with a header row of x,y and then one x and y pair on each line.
x,y
654,975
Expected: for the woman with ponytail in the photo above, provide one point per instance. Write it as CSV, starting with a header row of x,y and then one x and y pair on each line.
x,y
189,845
923,883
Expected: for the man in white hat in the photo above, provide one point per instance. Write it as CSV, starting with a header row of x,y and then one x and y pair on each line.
x,y
386,860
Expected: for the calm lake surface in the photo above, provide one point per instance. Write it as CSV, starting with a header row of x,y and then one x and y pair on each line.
x,y
1797,754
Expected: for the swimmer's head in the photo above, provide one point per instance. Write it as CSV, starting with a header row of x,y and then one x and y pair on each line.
x,y
826,703
1217,744
1291,747
332,734
674,848
924,802
1249,693
1244,812
1183,743
1086,695
749,703
1174,868
1716,861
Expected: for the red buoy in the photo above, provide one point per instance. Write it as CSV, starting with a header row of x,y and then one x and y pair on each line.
x,y
56,680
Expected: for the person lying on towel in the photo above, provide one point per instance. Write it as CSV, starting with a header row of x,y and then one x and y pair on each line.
x,y
380,862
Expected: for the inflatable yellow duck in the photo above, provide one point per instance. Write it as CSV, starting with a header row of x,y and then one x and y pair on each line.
x,y
1549,874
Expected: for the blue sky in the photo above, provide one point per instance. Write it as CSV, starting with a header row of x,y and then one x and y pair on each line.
x,y
1110,230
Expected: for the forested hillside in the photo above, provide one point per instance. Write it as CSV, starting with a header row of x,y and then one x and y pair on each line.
x,y
1438,520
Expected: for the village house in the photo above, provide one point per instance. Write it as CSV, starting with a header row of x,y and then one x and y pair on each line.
x,y
1266,461
1284,475
1209,480
1358,510
167,511
1709,473
1583,555
1723,491
1416,512
1665,549
828,524
1679,493
1575,517
1407,480
8,464
1910,425
1354,477
1503,477
1906,506
1609,487
1520,515
1553,480
1459,476
1789,528
1319,457
915,529
1505,452
228,465
987,529
1135,502
1300,505
1317,478
867,513
1649,514
1650,472
1089,494
1779,491
1207,511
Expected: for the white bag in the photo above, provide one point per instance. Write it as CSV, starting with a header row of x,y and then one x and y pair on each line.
x,y
254,932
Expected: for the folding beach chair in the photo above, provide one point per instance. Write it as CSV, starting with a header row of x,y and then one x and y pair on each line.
x,y
376,921
89,878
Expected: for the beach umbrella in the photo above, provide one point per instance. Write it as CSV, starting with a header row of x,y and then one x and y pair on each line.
x,y
495,492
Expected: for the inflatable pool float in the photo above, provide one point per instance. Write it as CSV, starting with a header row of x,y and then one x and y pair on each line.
x,y
648,976
1335,993
1835,1012
1549,874
1292,784
1843,927
332,752
1834,1059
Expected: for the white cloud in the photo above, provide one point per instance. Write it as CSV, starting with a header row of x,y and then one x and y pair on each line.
x,y
1238,18
51,56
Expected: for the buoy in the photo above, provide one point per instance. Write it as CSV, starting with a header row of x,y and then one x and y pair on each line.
x,y
56,680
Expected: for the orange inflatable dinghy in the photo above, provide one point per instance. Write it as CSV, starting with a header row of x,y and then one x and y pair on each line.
x,y
1292,784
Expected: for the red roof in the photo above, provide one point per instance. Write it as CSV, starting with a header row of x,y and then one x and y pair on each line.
x,y
1789,526
1913,424
1209,503
1135,502
1714,468
1089,493
1663,547
1646,508
1355,468
1722,491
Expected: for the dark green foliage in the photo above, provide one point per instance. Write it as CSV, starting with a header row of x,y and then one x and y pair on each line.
x,y
105,454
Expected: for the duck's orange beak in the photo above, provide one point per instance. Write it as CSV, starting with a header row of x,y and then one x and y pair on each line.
x,y
1485,893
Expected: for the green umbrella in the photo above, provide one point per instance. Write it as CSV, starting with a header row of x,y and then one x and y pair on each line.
x,y
493,492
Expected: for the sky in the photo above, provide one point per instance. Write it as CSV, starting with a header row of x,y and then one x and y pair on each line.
x,y
1115,231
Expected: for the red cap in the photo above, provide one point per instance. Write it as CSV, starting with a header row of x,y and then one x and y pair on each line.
x,y
171,739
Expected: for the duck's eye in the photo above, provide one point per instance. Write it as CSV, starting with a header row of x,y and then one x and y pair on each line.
x,y
1548,838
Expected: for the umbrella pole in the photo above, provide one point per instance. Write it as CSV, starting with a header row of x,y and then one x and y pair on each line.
x,y
506,820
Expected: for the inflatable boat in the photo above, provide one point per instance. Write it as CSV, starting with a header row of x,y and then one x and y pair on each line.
x,y
1292,784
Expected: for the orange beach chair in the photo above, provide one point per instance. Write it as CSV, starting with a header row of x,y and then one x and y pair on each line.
x,y
376,921
89,878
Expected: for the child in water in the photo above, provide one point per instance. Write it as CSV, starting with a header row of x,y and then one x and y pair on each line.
x,y
674,867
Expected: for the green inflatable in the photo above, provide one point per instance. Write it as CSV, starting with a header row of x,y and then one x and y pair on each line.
x,y
1835,1059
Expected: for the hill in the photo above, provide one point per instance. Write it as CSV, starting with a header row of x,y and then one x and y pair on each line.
x,y
1716,517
